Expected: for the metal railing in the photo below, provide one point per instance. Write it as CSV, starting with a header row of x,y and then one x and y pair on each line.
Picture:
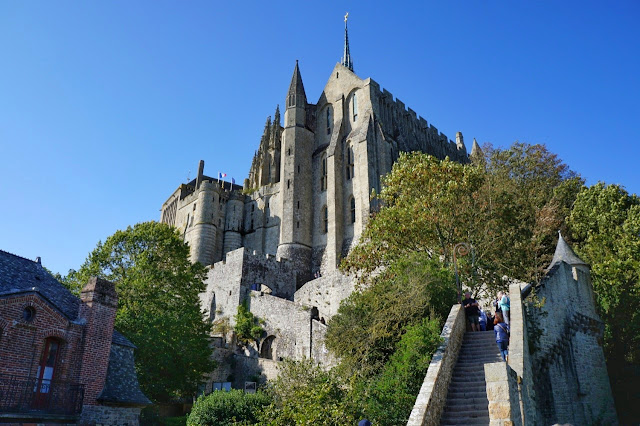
x,y
31,395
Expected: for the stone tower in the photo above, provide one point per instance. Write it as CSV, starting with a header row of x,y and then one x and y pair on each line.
x,y
296,180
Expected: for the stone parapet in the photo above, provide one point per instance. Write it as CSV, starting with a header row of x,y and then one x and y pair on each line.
x,y
433,393
502,393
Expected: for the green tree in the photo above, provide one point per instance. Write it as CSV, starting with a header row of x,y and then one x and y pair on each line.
x,y
393,393
370,322
228,408
247,326
158,305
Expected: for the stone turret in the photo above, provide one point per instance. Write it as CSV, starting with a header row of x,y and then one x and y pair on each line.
x,y
475,150
296,181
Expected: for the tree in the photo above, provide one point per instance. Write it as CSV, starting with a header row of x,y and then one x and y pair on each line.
x,y
393,393
158,305
507,205
370,322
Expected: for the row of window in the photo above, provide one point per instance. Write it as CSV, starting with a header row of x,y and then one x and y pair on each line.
x,y
325,215
349,172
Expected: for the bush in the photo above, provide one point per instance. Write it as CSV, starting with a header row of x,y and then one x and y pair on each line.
x,y
228,408
176,421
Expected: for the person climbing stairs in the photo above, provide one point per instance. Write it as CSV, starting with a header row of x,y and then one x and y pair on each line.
x,y
467,402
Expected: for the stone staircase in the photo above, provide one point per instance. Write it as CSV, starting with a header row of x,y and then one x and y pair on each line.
x,y
467,402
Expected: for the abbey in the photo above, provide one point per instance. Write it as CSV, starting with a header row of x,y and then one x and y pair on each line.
x,y
275,243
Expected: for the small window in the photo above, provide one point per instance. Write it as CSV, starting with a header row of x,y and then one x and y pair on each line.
x,y
28,314
323,173
354,107
350,162
298,169
325,220
194,207
188,220
289,151
219,222
253,208
328,120
298,204
352,206
288,183
298,224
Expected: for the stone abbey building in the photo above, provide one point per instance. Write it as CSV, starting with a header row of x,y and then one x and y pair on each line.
x,y
303,206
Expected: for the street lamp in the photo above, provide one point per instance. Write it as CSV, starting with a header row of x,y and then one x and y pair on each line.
x,y
460,249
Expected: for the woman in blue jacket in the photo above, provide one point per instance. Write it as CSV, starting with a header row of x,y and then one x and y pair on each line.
x,y
502,335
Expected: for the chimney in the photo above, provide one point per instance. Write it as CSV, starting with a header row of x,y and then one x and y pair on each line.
x,y
98,309
200,173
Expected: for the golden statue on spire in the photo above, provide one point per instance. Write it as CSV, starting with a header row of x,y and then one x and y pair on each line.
x,y
345,17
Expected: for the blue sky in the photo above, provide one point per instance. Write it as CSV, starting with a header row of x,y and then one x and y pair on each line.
x,y
106,107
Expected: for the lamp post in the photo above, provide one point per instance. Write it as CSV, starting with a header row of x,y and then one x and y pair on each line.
x,y
460,249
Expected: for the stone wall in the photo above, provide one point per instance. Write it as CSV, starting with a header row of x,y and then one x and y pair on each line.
x,y
433,393
326,292
502,393
105,415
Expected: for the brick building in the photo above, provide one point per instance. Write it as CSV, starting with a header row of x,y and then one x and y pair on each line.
x,y
60,358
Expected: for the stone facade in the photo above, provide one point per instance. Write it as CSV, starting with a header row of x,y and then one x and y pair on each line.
x,y
277,241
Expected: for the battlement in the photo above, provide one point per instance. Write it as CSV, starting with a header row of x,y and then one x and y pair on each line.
x,y
397,119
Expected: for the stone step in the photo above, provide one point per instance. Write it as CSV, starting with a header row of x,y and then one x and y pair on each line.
x,y
456,422
466,404
469,414
485,359
467,394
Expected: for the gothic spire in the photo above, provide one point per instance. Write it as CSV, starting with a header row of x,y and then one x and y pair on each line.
x,y
296,88
346,59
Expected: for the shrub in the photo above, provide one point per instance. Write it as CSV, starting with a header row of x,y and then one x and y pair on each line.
x,y
228,408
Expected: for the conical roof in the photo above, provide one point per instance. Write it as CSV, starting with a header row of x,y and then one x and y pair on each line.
x,y
296,87
564,253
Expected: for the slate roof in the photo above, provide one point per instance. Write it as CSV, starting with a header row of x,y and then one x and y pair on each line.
x,y
121,385
21,275
564,253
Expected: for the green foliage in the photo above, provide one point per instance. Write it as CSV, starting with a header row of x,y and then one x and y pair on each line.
x,y
508,206
247,325
158,305
393,393
369,323
305,394
228,408
176,421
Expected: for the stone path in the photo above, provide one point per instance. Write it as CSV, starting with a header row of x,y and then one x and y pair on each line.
x,y
467,402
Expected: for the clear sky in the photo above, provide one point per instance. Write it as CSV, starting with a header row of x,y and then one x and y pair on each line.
x,y
106,107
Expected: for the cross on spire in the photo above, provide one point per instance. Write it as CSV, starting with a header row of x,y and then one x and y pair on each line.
x,y
346,59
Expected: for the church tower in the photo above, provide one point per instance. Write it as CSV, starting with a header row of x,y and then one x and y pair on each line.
x,y
296,181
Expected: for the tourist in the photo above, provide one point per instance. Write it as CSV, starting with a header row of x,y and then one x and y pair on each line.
x,y
489,321
483,320
505,306
364,422
502,336
471,308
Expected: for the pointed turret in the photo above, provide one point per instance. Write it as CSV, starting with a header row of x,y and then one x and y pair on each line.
x,y
475,149
296,114
276,119
564,253
346,58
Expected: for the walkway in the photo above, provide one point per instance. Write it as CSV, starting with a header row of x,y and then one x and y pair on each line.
x,y
467,402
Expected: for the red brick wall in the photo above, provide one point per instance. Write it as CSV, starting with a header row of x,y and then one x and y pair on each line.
x,y
22,343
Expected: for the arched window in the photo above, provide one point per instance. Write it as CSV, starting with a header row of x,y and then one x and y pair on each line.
x,y
329,120
325,220
323,173
352,207
354,107
267,348
212,308
350,162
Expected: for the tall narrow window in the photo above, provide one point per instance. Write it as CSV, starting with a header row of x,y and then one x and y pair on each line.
x,y
350,162
329,120
354,107
46,370
352,206
325,220
323,173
